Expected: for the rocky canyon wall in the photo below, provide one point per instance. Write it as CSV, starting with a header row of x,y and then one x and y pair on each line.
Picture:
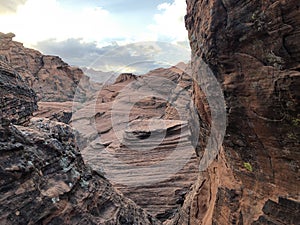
x,y
253,49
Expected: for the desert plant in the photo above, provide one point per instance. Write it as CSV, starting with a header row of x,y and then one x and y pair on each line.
x,y
248,166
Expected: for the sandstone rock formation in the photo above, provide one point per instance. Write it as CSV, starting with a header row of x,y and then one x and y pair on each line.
x,y
55,111
253,49
17,100
160,198
137,131
97,75
50,77
43,179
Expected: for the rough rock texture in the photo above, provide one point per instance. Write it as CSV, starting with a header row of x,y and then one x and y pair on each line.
x,y
50,77
137,131
17,101
253,49
55,111
43,178
44,181
284,212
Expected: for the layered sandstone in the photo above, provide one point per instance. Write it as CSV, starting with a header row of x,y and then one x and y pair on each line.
x,y
253,48
137,132
17,100
45,181
165,113
43,177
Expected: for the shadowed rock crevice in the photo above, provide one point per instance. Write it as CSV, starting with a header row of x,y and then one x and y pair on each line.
x,y
18,101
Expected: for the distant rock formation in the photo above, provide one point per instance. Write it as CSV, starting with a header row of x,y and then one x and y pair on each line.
x,y
50,77
253,49
159,109
98,75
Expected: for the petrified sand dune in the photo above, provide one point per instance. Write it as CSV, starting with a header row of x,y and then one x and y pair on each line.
x,y
137,133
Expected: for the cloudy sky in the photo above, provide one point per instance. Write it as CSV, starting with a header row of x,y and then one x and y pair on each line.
x,y
84,31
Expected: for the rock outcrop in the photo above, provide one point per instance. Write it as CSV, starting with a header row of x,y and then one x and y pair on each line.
x,y
17,100
55,111
130,128
43,178
163,113
253,49
45,181
50,77
286,211
137,131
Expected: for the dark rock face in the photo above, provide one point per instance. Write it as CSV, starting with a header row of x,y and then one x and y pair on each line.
x,y
17,101
50,77
44,181
253,49
284,212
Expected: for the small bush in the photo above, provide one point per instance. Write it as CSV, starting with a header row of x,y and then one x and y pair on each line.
x,y
248,166
296,122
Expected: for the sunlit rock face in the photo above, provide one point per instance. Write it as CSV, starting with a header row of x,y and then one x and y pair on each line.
x,y
253,49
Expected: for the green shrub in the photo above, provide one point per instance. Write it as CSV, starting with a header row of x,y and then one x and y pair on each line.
x,y
248,166
296,122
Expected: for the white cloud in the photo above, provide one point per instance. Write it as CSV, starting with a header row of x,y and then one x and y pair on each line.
x,y
11,6
169,23
38,20
137,57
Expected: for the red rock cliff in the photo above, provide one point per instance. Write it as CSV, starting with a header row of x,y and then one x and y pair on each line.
x,y
253,49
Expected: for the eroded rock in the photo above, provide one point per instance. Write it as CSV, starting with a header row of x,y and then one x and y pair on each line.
x,y
43,178
138,132
17,101
45,181
252,47
50,77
